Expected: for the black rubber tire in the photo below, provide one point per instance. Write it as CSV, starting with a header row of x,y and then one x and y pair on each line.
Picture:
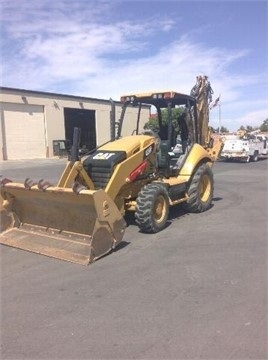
x,y
152,208
200,190
255,156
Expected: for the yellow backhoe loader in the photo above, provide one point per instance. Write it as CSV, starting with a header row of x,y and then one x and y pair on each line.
x,y
82,217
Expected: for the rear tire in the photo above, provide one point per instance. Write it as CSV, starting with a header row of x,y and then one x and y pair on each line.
x,y
152,208
200,190
255,156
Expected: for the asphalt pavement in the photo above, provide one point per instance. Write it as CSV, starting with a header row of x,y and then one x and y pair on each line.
x,y
196,290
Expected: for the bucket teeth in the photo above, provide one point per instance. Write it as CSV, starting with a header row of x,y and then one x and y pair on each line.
x,y
28,183
5,181
43,185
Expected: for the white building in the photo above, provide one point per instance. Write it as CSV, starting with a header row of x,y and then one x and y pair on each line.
x,y
37,124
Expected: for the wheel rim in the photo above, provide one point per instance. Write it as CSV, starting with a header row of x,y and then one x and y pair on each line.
x,y
205,188
160,209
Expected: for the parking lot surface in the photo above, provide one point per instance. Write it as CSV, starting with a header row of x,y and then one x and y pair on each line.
x,y
197,290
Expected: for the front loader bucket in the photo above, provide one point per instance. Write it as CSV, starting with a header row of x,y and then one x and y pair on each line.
x,y
60,223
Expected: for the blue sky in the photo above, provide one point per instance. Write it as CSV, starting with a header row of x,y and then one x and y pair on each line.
x,y
104,49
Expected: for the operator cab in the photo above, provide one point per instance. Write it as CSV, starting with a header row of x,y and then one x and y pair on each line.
x,y
174,120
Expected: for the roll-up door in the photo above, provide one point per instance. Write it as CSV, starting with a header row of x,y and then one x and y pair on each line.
x,y
24,131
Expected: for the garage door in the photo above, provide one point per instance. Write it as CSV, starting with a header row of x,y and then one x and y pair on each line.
x,y
25,135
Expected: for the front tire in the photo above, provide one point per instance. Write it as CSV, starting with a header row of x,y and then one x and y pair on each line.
x,y
152,208
255,156
200,190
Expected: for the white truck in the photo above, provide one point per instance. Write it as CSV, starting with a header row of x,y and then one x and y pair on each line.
x,y
250,147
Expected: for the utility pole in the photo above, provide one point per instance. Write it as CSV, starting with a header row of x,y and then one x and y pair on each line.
x,y
219,117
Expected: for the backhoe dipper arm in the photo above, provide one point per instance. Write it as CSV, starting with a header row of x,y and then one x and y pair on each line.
x,y
202,91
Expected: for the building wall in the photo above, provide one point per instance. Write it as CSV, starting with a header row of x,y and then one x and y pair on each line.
x,y
30,121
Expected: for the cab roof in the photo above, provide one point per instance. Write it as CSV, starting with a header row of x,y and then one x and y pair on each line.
x,y
159,98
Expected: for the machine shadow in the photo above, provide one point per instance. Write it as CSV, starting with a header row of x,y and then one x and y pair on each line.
x,y
175,212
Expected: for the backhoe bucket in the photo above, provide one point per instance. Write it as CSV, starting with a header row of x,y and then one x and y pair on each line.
x,y
74,226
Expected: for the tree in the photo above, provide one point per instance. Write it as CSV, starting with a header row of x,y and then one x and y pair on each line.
x,y
264,126
249,128
222,130
153,121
